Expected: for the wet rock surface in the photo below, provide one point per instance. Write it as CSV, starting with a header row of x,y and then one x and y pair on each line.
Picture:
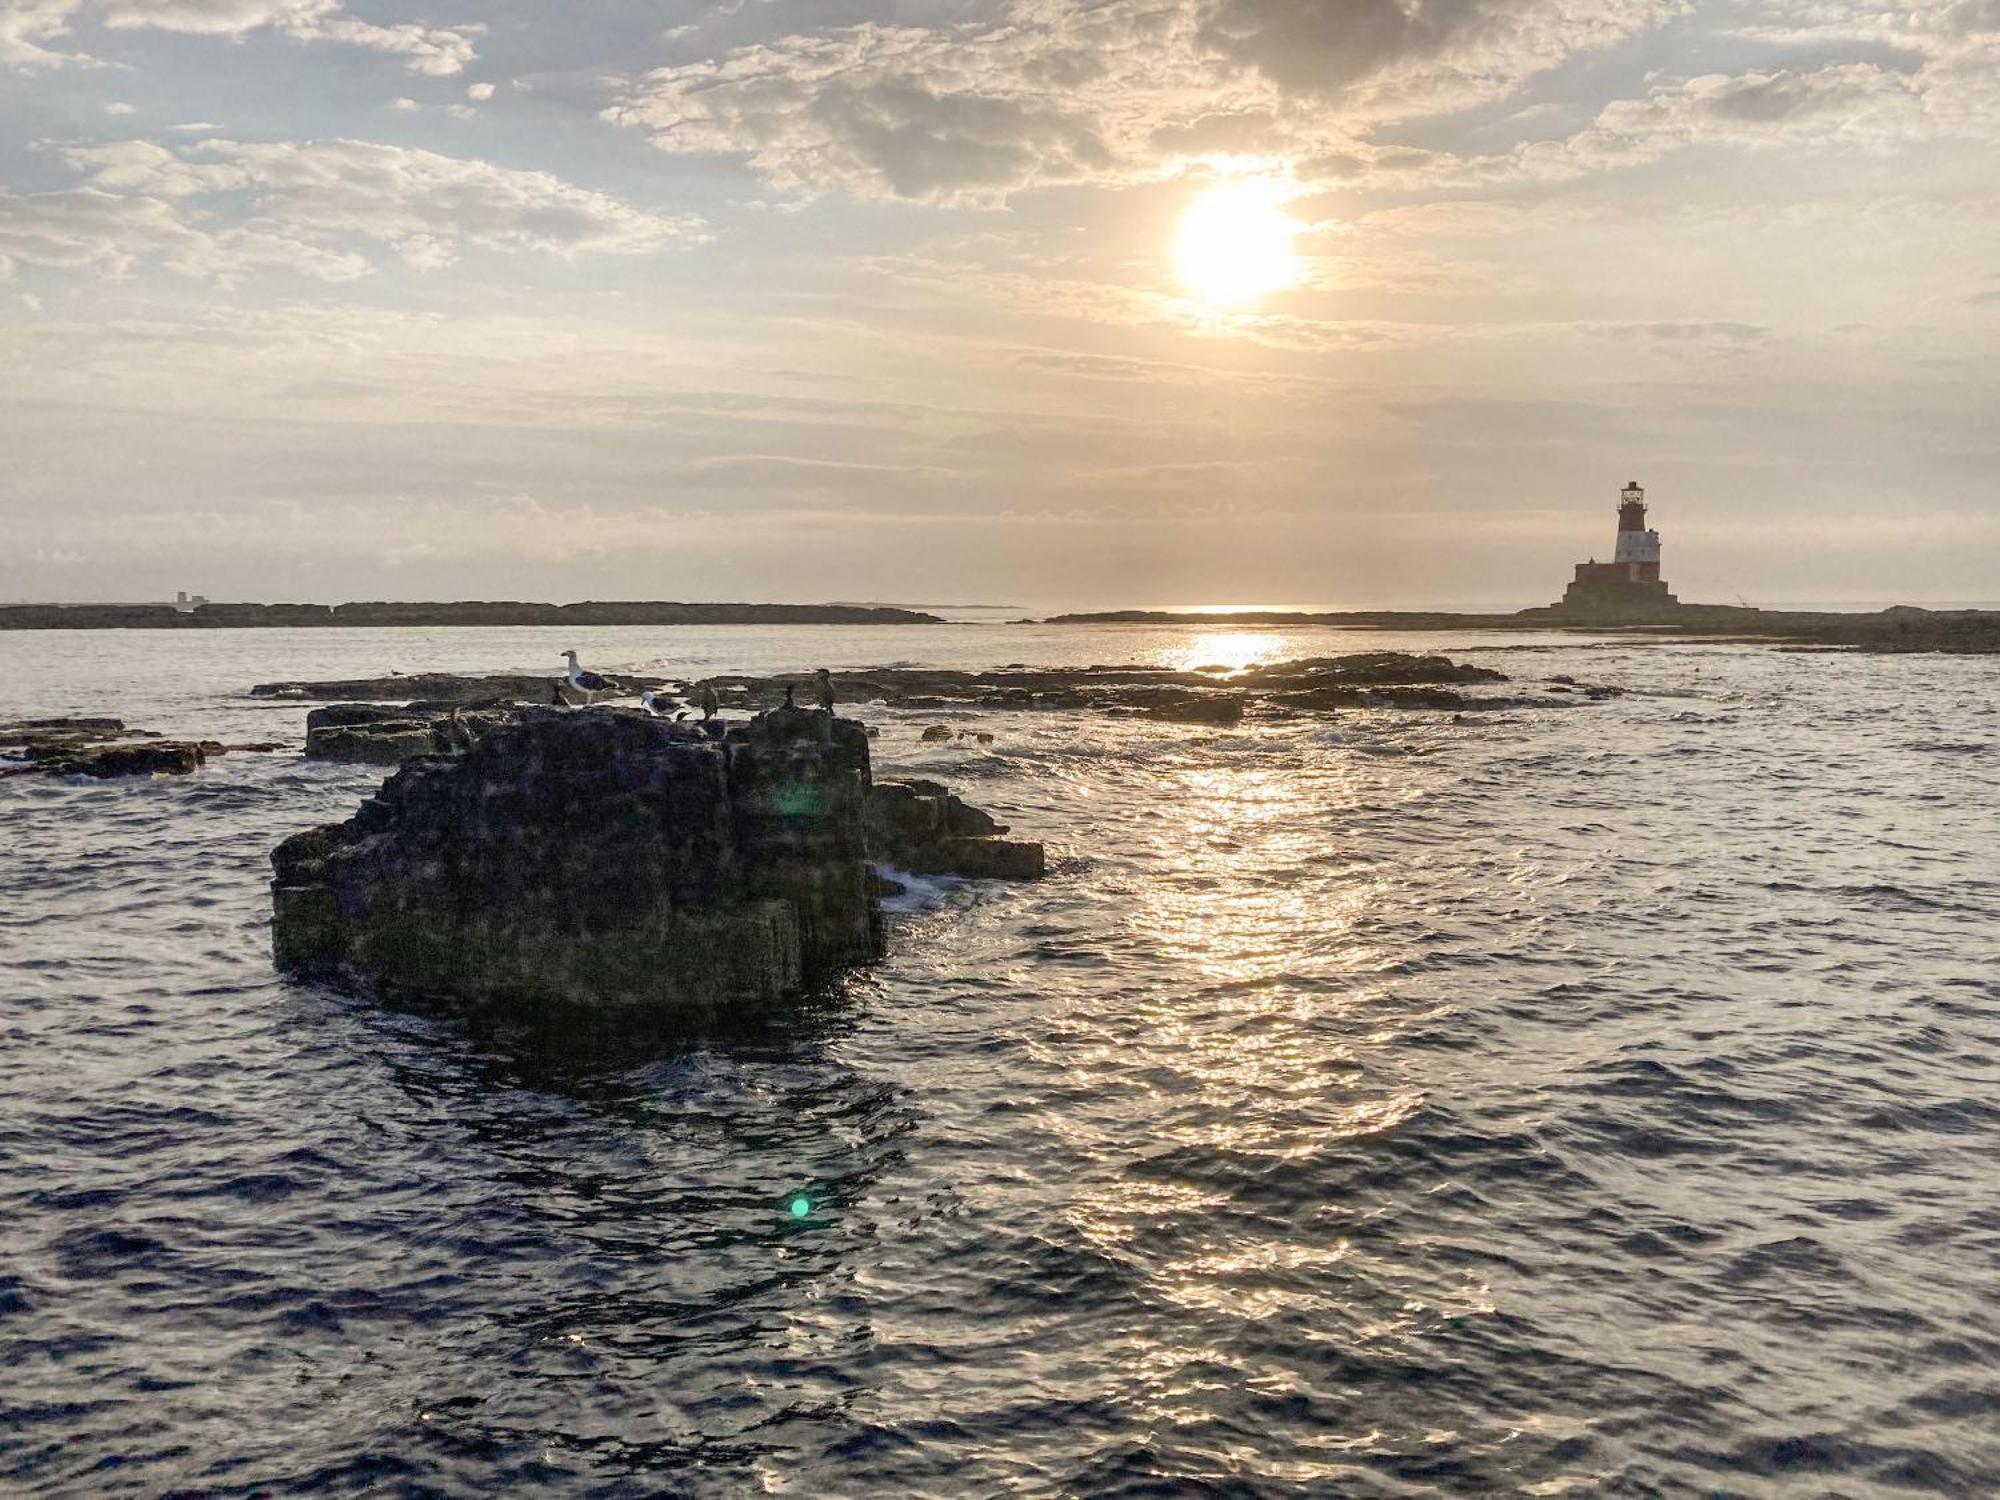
x,y
103,748
607,866
1212,696
922,827
452,689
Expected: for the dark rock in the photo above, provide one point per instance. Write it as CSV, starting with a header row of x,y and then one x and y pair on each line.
x,y
922,827
95,747
1162,693
156,758
372,735
981,859
389,743
24,732
1224,708
936,733
596,865
448,689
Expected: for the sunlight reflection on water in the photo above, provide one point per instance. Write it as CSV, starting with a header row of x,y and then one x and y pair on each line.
x,y
1233,650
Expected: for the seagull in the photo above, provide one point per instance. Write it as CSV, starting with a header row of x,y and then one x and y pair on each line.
x,y
650,701
825,689
590,682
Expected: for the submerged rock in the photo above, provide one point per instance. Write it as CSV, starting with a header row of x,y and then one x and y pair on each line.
x,y
603,865
153,758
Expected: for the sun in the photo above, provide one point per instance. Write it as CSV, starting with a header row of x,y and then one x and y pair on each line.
x,y
1234,243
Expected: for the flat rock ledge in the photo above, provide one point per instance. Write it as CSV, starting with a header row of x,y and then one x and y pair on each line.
x,y
603,866
442,690
101,749
1207,695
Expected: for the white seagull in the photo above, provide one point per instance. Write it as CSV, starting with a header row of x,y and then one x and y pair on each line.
x,y
588,682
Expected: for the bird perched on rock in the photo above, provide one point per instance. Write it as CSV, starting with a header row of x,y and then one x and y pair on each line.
x,y
824,680
556,695
589,682
454,733
710,705
655,705
790,689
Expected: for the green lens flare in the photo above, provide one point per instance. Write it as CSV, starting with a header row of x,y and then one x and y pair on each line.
x,y
801,1207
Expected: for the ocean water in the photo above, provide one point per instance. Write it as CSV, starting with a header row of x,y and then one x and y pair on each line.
x,y
1597,1101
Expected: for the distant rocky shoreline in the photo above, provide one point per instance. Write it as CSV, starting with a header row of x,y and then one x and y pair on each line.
x,y
1903,627
468,613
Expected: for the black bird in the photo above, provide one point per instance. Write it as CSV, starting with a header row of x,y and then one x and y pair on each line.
x,y
556,694
790,688
825,689
710,706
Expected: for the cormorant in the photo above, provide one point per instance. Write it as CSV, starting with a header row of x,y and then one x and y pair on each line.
x,y
710,707
790,688
825,689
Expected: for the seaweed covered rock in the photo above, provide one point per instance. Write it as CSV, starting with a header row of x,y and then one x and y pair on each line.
x,y
598,863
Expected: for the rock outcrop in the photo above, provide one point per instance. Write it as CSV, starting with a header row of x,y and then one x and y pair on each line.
x,y
923,828
442,690
599,865
1214,696
102,749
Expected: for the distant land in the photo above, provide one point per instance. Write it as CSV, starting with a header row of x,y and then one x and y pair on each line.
x,y
890,604
208,616
1903,627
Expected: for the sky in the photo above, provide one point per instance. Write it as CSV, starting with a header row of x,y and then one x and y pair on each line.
x,y
1035,302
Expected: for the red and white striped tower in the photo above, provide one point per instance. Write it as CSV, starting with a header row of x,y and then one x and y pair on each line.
x,y
1635,543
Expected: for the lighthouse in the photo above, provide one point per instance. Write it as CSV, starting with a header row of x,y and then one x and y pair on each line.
x,y
1630,583
1635,543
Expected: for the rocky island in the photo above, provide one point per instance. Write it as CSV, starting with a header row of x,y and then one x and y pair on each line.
x,y
606,868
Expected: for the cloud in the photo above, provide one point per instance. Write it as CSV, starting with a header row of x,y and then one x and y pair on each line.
x,y
479,91
307,203
878,110
109,233
1048,92
26,24
1433,50
429,50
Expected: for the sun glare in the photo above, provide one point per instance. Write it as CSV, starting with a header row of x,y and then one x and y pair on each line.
x,y
1234,243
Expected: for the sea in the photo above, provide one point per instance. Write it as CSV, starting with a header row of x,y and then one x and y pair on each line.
x,y
1598,1100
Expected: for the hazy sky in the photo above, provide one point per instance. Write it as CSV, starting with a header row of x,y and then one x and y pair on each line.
x,y
326,299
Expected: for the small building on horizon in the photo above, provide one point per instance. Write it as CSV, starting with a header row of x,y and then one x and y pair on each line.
x,y
1630,583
